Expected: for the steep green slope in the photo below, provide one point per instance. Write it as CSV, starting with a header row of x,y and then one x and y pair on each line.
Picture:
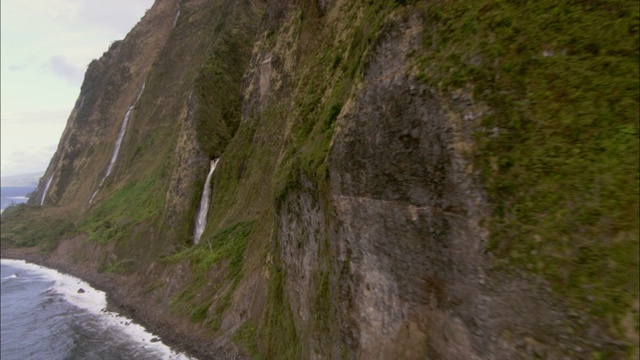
x,y
402,179
559,152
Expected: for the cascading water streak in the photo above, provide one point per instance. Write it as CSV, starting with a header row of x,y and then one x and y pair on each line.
x,y
93,196
201,218
116,149
123,129
175,21
46,188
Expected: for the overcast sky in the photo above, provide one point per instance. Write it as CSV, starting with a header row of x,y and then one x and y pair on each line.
x,y
46,47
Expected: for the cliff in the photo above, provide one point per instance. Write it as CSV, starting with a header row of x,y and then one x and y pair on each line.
x,y
396,179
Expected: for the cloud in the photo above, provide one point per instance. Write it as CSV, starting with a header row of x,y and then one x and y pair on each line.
x,y
63,68
29,139
17,67
24,160
46,46
118,16
20,62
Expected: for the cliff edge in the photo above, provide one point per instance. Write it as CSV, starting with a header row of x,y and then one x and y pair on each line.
x,y
394,180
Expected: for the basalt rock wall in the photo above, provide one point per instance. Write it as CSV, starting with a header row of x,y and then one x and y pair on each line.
x,y
350,214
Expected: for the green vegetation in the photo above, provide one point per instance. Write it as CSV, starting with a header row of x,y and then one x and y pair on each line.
x,y
66,172
27,225
322,305
559,152
123,209
228,244
332,67
331,64
219,85
121,267
281,339
246,336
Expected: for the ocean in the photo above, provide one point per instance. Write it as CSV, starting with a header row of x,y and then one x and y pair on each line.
x,y
14,195
49,315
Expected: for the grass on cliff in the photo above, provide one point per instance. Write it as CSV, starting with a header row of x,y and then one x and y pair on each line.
x,y
246,336
218,87
281,340
329,66
199,296
29,225
115,216
559,152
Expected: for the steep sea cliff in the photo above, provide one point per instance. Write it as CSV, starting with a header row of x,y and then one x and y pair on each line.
x,y
396,179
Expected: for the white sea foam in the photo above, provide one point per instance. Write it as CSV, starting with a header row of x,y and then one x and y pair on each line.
x,y
23,198
95,302
14,276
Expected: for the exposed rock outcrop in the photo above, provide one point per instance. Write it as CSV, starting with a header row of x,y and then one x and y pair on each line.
x,y
350,217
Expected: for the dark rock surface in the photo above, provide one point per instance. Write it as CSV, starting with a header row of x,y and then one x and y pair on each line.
x,y
377,252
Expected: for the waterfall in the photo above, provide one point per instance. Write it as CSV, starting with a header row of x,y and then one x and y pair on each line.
x,y
79,103
201,218
123,129
175,21
94,195
46,188
116,149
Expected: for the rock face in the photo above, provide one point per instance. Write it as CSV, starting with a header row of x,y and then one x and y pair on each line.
x,y
348,213
109,88
405,213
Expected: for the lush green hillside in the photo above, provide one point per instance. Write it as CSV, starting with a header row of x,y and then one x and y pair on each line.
x,y
392,175
559,152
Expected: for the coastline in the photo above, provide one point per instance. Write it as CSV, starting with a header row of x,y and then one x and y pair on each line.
x,y
134,307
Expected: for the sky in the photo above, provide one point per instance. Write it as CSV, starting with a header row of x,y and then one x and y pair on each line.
x,y
45,48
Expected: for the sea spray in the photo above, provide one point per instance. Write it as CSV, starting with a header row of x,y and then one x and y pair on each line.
x,y
46,188
90,307
201,218
116,149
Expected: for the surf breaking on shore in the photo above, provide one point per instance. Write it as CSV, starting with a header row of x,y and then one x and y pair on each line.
x,y
82,295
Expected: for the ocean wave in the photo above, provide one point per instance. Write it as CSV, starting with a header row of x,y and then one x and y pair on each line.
x,y
80,294
23,198
14,276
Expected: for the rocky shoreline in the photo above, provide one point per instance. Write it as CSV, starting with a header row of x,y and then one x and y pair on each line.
x,y
129,304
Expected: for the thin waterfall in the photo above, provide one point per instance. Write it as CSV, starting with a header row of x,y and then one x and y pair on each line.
x,y
94,195
116,149
46,188
79,103
175,21
201,218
